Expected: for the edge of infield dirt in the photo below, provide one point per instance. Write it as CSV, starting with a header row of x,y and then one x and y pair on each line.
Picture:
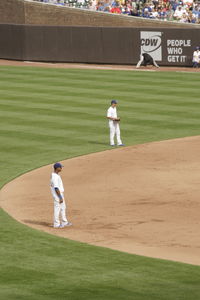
x,y
141,199
4,62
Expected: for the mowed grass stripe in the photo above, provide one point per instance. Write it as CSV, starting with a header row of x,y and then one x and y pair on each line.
x,y
70,127
130,77
46,120
55,86
137,82
92,113
70,120
82,73
90,80
83,95
132,91
163,103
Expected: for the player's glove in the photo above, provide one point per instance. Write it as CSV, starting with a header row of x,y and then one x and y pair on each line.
x,y
117,119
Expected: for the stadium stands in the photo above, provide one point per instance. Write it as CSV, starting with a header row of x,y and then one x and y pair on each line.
x,y
184,11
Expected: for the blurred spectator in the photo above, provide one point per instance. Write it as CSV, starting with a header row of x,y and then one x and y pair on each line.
x,y
184,18
196,11
154,13
116,8
178,13
93,5
126,11
170,13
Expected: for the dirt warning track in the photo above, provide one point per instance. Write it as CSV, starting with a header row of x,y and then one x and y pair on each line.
x,y
142,199
4,62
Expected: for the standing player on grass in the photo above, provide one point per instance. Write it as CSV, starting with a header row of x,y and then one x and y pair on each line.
x,y
114,124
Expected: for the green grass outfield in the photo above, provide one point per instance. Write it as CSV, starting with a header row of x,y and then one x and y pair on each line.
x,y
47,115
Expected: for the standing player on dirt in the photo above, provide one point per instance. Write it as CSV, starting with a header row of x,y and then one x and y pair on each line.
x,y
57,190
114,124
146,59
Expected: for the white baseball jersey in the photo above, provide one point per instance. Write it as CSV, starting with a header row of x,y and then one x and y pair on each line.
x,y
56,182
111,113
196,56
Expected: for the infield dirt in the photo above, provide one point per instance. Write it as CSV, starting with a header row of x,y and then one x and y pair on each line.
x,y
142,199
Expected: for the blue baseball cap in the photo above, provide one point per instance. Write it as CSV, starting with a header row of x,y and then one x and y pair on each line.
x,y
57,165
114,102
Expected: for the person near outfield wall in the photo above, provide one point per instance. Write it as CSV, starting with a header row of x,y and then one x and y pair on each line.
x,y
146,59
196,58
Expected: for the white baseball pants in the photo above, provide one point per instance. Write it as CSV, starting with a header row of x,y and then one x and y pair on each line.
x,y
59,209
114,130
140,61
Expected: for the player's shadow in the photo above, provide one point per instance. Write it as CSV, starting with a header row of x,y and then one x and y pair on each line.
x,y
33,222
98,143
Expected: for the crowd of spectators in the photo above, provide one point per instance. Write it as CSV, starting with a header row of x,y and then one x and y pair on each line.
x,y
185,11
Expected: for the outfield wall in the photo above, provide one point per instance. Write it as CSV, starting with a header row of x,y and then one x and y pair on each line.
x,y
97,44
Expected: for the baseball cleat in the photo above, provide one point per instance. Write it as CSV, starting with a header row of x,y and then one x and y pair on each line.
x,y
66,224
112,145
59,226
121,145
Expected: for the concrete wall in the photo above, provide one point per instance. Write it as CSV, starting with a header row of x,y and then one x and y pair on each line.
x,y
12,11
36,13
42,14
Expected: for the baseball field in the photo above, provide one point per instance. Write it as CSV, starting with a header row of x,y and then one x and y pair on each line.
x,y
49,115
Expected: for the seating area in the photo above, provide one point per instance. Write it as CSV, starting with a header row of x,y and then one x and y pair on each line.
x,y
185,11
68,3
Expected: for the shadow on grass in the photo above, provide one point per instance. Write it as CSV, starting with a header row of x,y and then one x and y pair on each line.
x,y
98,143
46,224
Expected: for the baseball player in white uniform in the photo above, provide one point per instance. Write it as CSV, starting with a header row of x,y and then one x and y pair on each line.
x,y
196,58
57,190
114,124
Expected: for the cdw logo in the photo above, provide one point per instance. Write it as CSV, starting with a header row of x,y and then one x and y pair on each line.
x,y
150,42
